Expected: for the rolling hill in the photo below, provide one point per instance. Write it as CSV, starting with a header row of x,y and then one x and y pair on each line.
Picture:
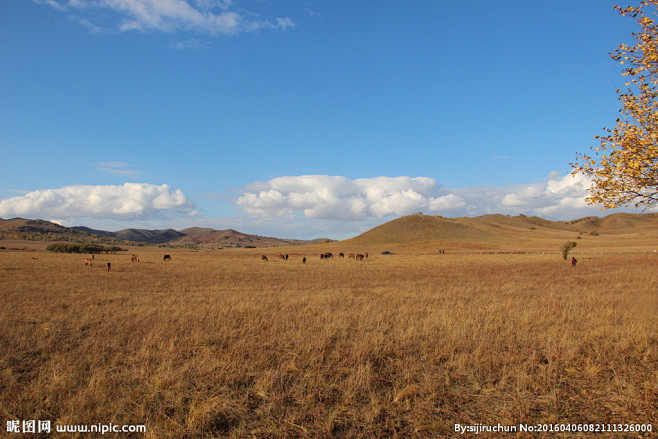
x,y
507,232
137,235
35,229
234,239
620,223
412,231
420,228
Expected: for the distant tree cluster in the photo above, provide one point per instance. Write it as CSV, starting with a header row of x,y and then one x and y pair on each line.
x,y
46,236
82,248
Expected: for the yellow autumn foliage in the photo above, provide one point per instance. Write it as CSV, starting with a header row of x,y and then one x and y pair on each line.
x,y
624,167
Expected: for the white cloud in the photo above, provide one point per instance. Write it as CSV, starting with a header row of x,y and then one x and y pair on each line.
x,y
548,196
118,168
340,198
131,201
192,43
203,16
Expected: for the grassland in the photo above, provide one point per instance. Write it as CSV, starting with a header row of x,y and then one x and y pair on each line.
x,y
216,344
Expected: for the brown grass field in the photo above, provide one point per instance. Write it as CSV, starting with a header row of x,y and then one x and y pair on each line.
x,y
222,344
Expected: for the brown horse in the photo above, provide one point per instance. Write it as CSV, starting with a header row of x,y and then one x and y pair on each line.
x,y
134,258
88,262
359,257
263,258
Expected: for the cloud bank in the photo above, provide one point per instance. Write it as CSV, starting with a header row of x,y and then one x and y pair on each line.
x,y
131,201
305,206
341,198
212,17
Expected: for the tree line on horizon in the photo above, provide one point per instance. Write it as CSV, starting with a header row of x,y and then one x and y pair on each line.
x,y
82,248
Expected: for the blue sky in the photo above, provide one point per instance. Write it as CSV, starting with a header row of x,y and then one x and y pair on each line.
x,y
304,118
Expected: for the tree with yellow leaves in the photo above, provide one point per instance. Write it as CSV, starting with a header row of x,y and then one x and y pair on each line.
x,y
624,169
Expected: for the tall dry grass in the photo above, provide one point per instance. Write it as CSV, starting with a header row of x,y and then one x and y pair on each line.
x,y
226,345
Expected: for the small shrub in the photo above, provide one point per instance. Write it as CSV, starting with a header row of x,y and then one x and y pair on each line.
x,y
566,248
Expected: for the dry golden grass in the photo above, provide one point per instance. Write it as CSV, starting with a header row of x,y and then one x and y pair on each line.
x,y
516,233
226,345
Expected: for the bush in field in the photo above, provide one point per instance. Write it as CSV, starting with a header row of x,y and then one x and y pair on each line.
x,y
566,248
81,248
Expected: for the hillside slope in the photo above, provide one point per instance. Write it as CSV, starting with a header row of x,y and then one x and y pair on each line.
x,y
620,223
511,232
412,232
40,230
136,235
422,228
22,228
233,239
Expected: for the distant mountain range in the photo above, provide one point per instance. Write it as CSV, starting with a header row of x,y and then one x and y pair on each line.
x,y
487,231
37,229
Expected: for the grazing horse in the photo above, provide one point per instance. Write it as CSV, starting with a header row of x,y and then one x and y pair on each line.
x,y
359,257
350,256
166,258
574,261
304,260
109,266
263,258
88,262
280,256
326,256
286,256
134,258
341,255
366,254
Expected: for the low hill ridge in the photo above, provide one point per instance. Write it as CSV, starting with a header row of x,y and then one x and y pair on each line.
x,y
496,230
36,229
418,227
484,232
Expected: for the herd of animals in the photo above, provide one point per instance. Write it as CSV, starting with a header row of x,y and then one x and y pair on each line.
x,y
358,257
135,258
